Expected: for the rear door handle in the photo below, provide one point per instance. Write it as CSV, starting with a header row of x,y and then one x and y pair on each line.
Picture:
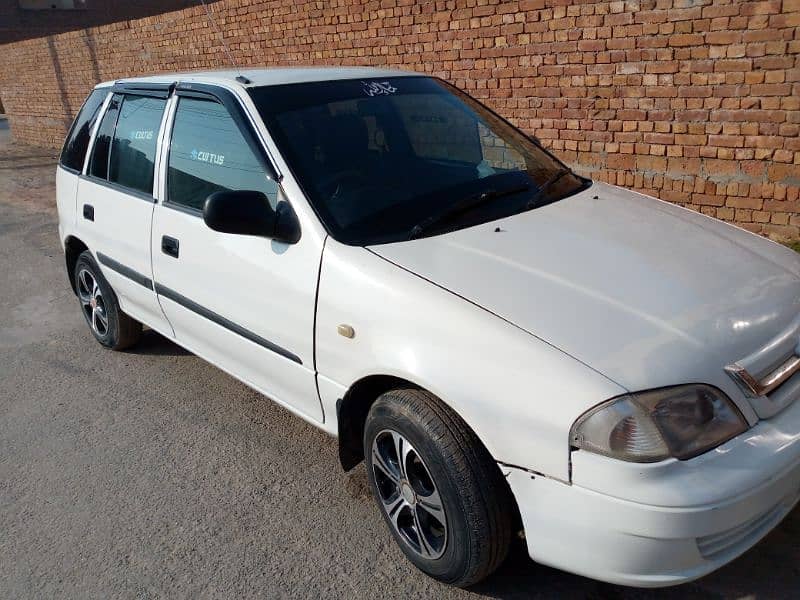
x,y
88,212
170,245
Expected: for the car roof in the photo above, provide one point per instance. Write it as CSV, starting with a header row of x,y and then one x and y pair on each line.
x,y
271,76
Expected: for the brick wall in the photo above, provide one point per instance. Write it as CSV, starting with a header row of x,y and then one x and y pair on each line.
x,y
694,101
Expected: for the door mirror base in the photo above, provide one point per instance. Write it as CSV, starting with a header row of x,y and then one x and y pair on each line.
x,y
287,227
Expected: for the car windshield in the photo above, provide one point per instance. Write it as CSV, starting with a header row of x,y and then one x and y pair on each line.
x,y
390,159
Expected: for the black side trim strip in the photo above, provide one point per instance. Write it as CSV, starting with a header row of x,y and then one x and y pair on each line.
x,y
124,271
223,322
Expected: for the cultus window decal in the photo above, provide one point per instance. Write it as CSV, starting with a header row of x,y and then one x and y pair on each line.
x,y
209,157
142,134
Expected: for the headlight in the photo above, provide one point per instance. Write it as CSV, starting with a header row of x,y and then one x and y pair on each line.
x,y
679,422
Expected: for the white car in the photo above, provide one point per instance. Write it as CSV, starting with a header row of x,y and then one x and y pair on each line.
x,y
508,345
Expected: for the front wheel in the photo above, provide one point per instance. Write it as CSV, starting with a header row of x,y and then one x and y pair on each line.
x,y
108,324
441,494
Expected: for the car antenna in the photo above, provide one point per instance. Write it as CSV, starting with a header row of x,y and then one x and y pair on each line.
x,y
210,16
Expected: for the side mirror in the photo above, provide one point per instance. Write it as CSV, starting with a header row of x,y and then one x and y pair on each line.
x,y
244,212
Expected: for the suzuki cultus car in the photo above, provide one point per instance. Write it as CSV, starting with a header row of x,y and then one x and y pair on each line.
x,y
507,345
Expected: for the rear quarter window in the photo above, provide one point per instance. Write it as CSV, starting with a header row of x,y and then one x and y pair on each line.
x,y
74,151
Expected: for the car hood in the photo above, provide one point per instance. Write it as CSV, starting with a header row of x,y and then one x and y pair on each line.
x,y
646,292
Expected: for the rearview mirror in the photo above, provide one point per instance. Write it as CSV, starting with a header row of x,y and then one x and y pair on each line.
x,y
245,212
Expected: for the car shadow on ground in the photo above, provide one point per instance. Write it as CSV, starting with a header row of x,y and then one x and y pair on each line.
x,y
155,344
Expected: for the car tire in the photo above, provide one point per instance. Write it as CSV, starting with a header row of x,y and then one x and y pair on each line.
x,y
444,465
100,307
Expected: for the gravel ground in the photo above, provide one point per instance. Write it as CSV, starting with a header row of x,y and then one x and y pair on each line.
x,y
152,474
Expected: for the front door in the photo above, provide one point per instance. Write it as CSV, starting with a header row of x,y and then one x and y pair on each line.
x,y
245,303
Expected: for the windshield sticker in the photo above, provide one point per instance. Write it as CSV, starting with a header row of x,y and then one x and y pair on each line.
x,y
209,157
378,88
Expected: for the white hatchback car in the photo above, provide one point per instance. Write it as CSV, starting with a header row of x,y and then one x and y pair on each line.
x,y
507,344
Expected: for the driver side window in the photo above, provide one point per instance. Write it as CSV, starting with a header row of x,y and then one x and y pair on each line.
x,y
209,154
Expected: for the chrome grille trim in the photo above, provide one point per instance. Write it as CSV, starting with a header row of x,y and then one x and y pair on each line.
x,y
754,387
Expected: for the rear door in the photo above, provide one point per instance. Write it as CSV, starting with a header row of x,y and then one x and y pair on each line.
x,y
245,303
115,200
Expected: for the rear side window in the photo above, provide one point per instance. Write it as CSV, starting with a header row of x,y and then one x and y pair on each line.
x,y
74,151
133,150
98,165
208,154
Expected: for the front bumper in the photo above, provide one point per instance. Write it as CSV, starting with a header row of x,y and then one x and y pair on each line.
x,y
665,523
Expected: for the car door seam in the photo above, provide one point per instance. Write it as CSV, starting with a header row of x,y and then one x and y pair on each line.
x,y
314,328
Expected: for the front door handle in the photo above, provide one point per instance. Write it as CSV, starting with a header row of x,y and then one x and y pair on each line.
x,y
88,212
169,245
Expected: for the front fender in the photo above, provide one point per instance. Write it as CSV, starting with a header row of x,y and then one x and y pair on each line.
x,y
519,394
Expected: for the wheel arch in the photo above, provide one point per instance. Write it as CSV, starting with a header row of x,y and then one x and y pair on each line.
x,y
73,247
353,407
351,414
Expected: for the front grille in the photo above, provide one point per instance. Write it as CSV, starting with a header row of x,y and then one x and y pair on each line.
x,y
740,538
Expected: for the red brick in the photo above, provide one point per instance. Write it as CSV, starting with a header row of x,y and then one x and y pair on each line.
x,y
743,64
771,89
723,37
686,39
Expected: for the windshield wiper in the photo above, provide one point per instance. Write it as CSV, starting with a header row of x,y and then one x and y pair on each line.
x,y
545,186
463,206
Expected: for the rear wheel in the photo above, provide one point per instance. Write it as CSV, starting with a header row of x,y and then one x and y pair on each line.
x,y
108,324
440,492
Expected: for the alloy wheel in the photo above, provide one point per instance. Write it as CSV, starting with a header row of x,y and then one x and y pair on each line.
x,y
408,494
92,303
